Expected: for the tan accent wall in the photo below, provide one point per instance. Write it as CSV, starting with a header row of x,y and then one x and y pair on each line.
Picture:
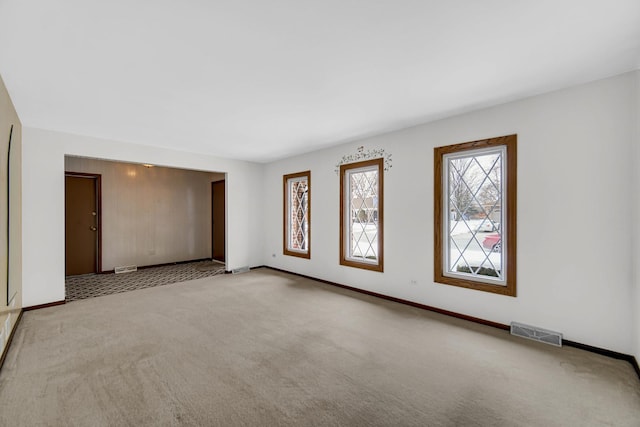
x,y
151,215
635,262
11,289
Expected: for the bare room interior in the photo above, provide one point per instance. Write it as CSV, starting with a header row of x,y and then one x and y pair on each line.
x,y
429,213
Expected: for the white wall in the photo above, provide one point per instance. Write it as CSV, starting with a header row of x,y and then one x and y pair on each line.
x,y
574,203
152,215
43,202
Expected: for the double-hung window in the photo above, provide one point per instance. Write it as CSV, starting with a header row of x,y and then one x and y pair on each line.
x,y
361,214
297,214
475,215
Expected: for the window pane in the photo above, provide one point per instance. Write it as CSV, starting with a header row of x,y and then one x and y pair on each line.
x,y
297,214
298,230
474,200
363,221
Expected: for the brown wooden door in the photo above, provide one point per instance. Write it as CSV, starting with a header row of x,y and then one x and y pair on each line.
x,y
81,225
217,220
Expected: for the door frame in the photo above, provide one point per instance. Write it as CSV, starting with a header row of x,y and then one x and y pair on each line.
x,y
98,178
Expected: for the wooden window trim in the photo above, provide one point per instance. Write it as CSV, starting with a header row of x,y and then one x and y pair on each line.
x,y
379,266
285,244
510,142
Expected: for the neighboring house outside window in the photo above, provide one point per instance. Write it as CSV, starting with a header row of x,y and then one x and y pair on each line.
x,y
297,214
361,214
475,215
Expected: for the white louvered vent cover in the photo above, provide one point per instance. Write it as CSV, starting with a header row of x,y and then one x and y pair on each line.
x,y
536,334
125,269
239,270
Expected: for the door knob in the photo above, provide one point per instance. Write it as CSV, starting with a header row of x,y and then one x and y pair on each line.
x,y
92,228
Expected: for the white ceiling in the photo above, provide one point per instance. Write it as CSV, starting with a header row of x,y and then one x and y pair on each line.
x,y
261,80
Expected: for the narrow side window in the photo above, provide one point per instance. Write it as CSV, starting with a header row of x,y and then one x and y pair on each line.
x,y
297,214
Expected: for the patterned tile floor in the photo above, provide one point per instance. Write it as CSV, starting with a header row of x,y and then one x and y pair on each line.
x,y
95,285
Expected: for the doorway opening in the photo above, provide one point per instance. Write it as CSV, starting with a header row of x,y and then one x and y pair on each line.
x,y
155,219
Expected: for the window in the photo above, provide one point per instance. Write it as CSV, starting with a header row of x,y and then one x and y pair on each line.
x,y
361,214
297,214
475,215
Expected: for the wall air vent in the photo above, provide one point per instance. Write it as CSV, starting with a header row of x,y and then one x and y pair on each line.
x,y
239,270
536,334
125,269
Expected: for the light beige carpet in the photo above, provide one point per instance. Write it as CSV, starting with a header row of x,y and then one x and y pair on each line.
x,y
268,349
